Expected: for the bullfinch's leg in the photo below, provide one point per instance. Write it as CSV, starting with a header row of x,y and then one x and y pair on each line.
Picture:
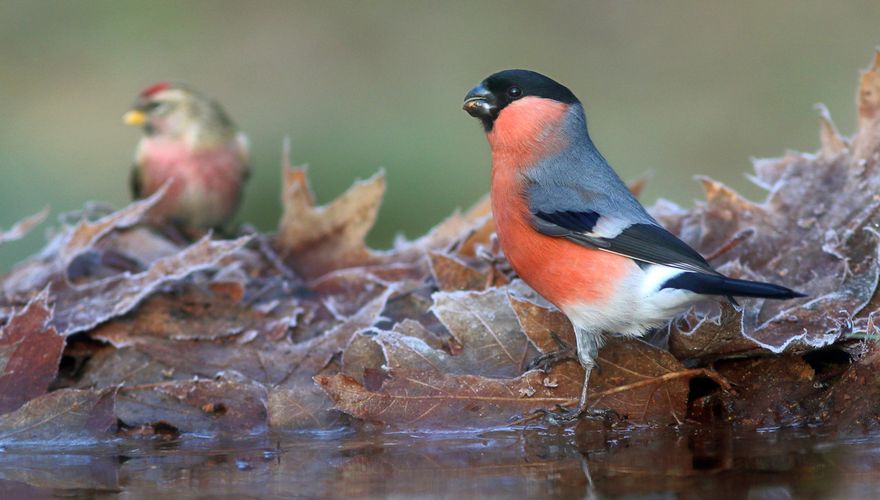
x,y
545,361
588,349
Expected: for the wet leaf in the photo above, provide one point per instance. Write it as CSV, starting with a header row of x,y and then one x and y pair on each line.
x,y
769,391
426,400
196,406
645,384
304,407
62,417
30,351
850,406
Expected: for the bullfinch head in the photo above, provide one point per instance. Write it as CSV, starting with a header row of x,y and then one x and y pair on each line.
x,y
175,110
519,108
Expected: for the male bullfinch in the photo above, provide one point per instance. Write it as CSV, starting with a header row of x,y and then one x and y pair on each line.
x,y
190,142
573,231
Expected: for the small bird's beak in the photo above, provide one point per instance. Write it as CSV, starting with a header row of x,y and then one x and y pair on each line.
x,y
134,117
480,103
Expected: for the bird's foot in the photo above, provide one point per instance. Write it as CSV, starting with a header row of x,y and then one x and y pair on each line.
x,y
562,415
545,361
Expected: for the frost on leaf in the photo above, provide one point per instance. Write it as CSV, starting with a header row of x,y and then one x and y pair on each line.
x,y
30,351
62,417
815,232
23,227
312,329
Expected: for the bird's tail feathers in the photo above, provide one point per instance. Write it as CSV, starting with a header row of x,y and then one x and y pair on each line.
x,y
713,284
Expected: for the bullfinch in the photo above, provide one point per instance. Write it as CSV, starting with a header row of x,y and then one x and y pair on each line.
x,y
190,143
573,231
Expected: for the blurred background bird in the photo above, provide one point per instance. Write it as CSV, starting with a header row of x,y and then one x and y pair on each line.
x,y
191,144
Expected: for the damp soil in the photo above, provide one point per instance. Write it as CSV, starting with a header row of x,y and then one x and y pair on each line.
x,y
678,462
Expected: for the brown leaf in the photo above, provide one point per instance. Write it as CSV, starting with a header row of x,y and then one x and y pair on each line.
x,y
452,274
426,400
189,314
30,351
70,243
637,185
487,329
830,139
300,408
196,406
769,391
708,335
23,227
825,248
316,240
850,406
80,308
548,330
640,382
65,416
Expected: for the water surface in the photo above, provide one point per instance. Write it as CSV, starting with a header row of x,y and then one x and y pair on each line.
x,y
665,463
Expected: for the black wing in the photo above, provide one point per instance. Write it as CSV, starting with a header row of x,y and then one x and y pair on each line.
x,y
136,183
642,241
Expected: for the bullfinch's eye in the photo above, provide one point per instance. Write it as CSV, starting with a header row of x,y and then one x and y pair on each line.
x,y
514,92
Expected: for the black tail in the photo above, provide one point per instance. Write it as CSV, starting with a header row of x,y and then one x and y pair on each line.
x,y
713,284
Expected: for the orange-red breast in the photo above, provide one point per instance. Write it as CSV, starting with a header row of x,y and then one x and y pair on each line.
x,y
191,143
572,230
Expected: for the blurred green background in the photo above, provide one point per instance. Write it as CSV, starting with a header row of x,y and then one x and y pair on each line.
x,y
679,87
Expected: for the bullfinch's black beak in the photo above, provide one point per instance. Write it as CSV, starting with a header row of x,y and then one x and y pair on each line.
x,y
480,103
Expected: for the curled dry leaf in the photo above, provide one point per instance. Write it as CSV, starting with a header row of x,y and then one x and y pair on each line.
x,y
814,232
80,308
316,240
23,227
53,261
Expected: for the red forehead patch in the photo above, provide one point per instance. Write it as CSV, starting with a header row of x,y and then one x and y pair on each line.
x,y
155,89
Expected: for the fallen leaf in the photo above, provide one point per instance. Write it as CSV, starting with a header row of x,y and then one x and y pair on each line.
x,y
770,392
62,417
487,329
452,274
52,262
439,400
548,330
196,406
301,408
626,363
80,308
23,227
316,240
30,351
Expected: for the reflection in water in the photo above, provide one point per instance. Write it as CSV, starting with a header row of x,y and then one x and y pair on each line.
x,y
677,463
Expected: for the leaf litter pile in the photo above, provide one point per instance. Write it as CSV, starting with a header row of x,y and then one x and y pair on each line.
x,y
114,330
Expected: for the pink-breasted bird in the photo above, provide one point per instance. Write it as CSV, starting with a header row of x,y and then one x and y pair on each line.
x,y
190,142
573,231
